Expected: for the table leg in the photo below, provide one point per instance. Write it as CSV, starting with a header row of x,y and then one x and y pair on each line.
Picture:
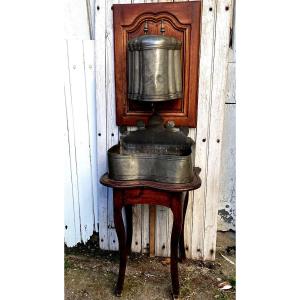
x,y
181,241
128,213
176,208
120,229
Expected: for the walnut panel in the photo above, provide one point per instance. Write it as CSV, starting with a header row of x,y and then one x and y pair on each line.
x,y
182,21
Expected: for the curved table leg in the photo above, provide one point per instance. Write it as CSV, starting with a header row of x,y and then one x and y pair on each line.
x,y
181,241
128,212
176,208
120,229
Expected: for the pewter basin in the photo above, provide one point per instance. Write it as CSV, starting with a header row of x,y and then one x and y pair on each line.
x,y
155,167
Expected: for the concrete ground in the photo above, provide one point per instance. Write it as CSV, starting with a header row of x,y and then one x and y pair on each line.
x,y
91,274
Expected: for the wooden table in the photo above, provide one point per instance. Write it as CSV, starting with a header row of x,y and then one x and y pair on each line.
x,y
174,196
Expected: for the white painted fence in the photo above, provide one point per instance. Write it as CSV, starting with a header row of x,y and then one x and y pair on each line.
x,y
87,203
81,178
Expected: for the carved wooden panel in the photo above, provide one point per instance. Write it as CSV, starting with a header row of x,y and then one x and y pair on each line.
x,y
182,21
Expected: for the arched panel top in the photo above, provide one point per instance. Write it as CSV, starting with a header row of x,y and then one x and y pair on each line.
x,y
156,17
180,20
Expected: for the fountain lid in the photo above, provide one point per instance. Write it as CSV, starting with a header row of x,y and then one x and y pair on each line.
x,y
145,42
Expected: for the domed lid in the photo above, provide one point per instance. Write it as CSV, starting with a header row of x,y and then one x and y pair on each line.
x,y
154,42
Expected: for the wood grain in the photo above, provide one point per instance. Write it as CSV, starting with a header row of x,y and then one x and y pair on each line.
x,y
82,141
152,225
202,147
100,45
112,137
216,127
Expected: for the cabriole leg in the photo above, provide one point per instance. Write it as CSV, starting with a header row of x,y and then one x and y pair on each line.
x,y
181,241
176,208
128,213
120,229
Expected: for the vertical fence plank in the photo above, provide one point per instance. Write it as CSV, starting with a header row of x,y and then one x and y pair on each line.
x,y
226,208
100,45
72,230
137,228
76,20
204,99
112,129
188,227
161,231
145,229
80,115
89,67
224,11
73,209
226,213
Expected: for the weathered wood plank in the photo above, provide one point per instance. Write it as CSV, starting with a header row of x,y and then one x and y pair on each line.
x,y
161,231
224,11
100,45
89,71
188,226
112,136
81,129
230,90
226,214
76,20
226,209
72,209
72,222
137,228
152,229
145,229
202,134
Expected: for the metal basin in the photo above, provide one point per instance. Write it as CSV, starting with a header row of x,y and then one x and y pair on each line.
x,y
156,167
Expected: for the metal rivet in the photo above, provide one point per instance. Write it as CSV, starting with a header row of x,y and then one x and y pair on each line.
x,y
203,140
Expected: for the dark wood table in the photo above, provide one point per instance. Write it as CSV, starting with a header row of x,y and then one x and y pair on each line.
x,y
174,196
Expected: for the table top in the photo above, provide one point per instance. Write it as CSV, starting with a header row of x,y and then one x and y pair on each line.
x,y
172,187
